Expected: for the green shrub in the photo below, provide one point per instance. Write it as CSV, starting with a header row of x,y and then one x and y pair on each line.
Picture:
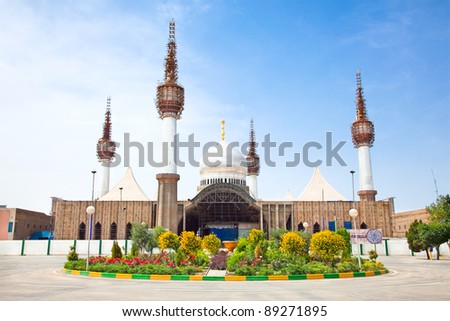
x,y
373,255
369,265
348,266
275,235
201,259
347,251
245,270
264,270
242,245
135,250
255,237
233,261
317,268
78,265
116,251
73,255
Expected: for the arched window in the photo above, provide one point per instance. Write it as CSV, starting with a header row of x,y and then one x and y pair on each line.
x,y
113,231
128,231
98,231
300,227
82,231
363,225
316,227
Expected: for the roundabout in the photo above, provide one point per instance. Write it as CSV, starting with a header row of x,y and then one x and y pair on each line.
x,y
31,278
156,277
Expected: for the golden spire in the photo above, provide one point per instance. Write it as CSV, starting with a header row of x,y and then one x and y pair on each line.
x,y
223,129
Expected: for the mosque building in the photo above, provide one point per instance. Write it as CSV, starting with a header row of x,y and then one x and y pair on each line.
x,y
226,202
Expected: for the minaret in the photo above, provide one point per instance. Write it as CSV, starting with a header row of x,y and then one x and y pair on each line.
x,y
252,164
363,136
170,105
106,150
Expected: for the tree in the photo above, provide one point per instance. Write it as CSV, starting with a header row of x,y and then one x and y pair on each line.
x,y
440,211
435,234
142,236
415,242
347,252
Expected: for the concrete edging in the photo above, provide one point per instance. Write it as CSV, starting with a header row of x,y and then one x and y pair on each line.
x,y
155,277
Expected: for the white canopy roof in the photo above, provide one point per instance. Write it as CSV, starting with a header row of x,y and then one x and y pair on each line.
x,y
319,189
131,191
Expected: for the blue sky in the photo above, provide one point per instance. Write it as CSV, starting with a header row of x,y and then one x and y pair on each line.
x,y
289,65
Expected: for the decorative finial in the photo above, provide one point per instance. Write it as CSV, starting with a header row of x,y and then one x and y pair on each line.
x,y
172,30
361,113
252,157
223,129
106,148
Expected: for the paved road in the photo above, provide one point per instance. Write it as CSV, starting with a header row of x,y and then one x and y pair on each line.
x,y
31,278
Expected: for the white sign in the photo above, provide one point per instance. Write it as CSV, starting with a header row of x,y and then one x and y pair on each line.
x,y
365,236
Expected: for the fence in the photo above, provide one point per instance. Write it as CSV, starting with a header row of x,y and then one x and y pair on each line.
x,y
103,247
395,246
60,247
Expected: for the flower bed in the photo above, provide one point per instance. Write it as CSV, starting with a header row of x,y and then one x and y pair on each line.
x,y
285,254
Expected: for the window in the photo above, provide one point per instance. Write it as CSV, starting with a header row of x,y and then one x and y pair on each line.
x,y
348,225
82,231
363,226
128,231
316,227
300,227
10,227
98,231
113,231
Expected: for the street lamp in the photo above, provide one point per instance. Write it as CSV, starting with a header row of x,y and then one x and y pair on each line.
x,y
90,210
305,225
354,213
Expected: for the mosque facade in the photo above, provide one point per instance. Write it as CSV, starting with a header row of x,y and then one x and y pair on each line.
x,y
226,201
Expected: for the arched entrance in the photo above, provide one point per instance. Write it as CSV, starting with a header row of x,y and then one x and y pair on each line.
x,y
224,209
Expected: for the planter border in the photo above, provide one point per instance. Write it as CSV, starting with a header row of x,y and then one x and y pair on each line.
x,y
229,278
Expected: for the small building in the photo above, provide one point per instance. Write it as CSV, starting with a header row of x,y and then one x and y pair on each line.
x,y
20,224
402,221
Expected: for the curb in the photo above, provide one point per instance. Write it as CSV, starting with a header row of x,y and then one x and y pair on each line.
x,y
155,277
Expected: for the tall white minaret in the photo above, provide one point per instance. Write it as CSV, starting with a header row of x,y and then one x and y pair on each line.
x,y
252,164
106,150
170,105
363,136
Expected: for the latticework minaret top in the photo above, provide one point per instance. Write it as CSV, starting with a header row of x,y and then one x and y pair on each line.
x,y
170,95
252,157
106,148
363,132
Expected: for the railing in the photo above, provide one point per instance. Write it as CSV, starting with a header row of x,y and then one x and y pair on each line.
x,y
60,247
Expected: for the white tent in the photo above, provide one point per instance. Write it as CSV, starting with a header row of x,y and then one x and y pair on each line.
x,y
131,191
318,189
